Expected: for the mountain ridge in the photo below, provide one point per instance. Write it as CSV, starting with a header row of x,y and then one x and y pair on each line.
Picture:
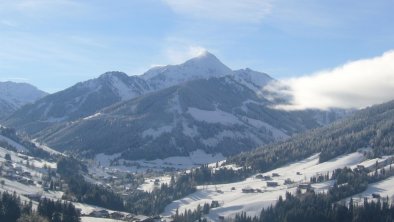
x,y
171,110
15,95
86,98
215,115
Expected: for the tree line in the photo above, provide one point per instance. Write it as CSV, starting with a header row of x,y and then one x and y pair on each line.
x,y
12,209
319,207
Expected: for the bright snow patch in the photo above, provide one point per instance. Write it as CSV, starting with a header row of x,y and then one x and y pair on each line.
x,y
216,116
92,116
151,183
124,91
47,148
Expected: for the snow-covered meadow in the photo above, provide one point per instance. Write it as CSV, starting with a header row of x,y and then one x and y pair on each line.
x,y
232,200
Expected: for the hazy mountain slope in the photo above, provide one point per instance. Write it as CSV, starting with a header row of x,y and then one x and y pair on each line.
x,y
86,98
10,140
15,95
371,127
6,109
216,115
82,99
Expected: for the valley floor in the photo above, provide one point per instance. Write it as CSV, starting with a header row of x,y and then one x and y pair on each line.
x,y
195,159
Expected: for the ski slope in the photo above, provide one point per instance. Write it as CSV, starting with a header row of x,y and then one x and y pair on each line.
x,y
232,200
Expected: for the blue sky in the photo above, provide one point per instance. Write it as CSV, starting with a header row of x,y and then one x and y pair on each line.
x,y
54,44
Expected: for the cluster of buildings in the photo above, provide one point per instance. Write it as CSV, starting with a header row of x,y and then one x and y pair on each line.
x,y
122,216
11,171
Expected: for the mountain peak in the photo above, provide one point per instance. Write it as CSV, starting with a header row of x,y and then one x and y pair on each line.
x,y
203,66
204,58
27,91
111,74
205,54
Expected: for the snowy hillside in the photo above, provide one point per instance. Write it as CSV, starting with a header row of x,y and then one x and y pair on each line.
x,y
23,173
80,100
33,178
252,79
15,95
232,199
217,115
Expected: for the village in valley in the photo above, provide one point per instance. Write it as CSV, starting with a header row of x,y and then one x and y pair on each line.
x,y
34,178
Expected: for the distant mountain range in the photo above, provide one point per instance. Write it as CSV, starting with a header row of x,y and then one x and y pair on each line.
x,y
15,95
169,110
86,98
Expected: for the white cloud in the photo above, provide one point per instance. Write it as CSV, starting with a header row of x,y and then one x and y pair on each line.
x,y
178,55
356,84
226,10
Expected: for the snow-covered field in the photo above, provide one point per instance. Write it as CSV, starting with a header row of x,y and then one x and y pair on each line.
x,y
150,184
195,159
47,148
33,162
371,163
86,209
232,200
216,116
384,188
95,219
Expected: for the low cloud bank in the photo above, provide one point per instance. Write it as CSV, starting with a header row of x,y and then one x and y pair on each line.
x,y
356,84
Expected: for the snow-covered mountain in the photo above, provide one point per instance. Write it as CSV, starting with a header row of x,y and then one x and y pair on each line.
x,y
15,95
87,98
170,110
203,66
80,100
252,79
215,115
